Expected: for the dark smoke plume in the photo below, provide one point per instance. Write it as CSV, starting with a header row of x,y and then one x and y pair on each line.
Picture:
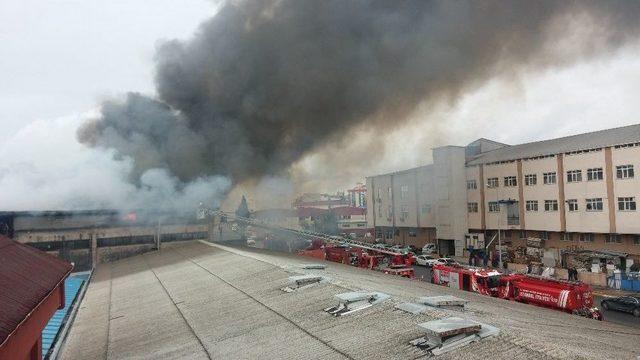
x,y
265,82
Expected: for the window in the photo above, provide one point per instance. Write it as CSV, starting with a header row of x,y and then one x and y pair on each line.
x,y
594,204
404,212
388,235
551,205
594,174
379,195
492,182
472,207
574,175
389,213
523,234
412,232
636,240
471,185
627,203
510,181
544,235
426,208
404,191
624,171
613,238
567,236
530,179
549,178
493,206
531,205
572,205
587,237
390,192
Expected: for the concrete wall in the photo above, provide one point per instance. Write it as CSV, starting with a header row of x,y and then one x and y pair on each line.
x,y
627,222
541,219
451,200
473,196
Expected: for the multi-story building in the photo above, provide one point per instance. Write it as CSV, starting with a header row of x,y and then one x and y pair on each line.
x,y
358,196
576,192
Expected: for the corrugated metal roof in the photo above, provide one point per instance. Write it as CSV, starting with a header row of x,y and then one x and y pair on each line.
x,y
593,140
27,276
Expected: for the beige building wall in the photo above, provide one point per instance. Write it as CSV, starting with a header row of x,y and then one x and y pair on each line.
x,y
500,171
451,199
583,220
541,220
627,222
426,196
380,200
473,196
405,198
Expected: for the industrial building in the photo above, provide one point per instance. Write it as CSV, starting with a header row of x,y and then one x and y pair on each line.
x,y
572,193
89,237
199,300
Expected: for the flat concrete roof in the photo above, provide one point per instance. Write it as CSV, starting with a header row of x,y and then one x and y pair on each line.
x,y
203,301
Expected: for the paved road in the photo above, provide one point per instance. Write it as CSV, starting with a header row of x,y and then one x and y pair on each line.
x,y
612,316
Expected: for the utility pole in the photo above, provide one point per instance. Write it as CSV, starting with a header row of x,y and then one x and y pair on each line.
x,y
158,234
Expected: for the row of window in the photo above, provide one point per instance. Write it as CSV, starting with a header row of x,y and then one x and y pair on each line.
x,y
549,178
594,204
582,237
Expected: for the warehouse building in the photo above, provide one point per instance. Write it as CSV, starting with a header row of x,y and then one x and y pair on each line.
x,y
89,237
572,193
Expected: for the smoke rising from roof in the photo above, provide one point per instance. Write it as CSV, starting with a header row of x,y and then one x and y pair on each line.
x,y
264,83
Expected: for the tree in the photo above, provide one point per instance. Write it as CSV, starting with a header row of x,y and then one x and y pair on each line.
x,y
243,208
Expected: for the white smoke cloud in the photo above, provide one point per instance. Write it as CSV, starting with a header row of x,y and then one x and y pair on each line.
x,y
43,167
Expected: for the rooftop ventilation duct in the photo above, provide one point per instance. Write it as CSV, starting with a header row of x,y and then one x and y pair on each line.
x,y
442,301
313,266
302,281
355,301
444,335
426,302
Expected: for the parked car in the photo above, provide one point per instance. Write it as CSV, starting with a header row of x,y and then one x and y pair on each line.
x,y
447,261
429,249
424,259
629,304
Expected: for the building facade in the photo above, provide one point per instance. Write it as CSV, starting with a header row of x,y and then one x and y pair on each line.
x,y
357,196
572,193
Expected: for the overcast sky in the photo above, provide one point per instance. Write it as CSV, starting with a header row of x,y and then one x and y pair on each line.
x,y
59,59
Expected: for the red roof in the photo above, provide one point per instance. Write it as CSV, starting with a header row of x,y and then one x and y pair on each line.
x,y
27,277
348,210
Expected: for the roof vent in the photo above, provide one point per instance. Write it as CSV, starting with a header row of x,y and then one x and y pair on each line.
x,y
442,301
355,301
451,333
412,308
430,302
302,281
313,266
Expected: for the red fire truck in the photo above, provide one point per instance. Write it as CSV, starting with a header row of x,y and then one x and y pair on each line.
x,y
568,296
